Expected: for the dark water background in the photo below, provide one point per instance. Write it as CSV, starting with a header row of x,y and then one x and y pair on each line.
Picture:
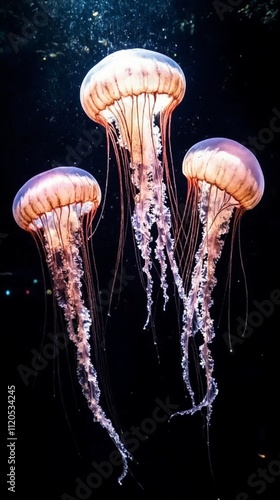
x,y
229,52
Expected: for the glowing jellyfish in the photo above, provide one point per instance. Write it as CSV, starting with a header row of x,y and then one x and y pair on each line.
x,y
224,179
125,93
57,207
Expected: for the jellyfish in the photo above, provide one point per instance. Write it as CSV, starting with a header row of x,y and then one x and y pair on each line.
x,y
57,208
225,179
132,93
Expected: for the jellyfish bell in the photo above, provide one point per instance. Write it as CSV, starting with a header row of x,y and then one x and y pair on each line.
x,y
129,88
228,166
53,204
133,93
57,207
225,179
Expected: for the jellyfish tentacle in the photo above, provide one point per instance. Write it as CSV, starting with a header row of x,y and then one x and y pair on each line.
x,y
215,212
68,291
142,221
163,223
151,209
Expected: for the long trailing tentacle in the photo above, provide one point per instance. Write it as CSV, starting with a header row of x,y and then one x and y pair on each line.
x,y
66,267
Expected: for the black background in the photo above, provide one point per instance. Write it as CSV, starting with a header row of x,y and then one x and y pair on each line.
x,y
231,60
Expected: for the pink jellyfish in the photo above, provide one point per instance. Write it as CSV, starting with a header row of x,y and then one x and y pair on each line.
x,y
128,92
57,207
225,179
